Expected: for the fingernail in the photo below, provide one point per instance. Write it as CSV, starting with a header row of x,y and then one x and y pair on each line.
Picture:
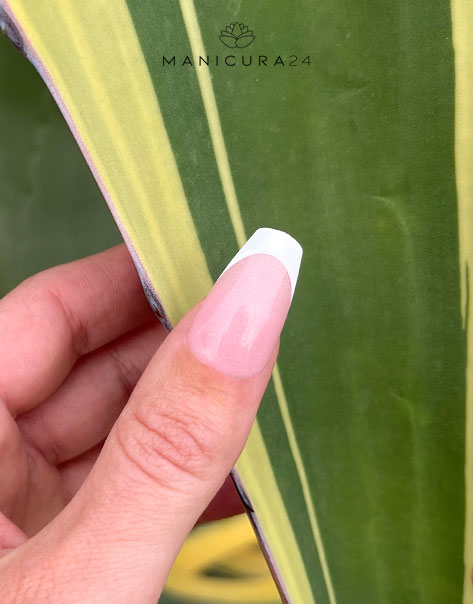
x,y
240,321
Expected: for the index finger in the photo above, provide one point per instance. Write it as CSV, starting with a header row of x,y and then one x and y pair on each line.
x,y
57,315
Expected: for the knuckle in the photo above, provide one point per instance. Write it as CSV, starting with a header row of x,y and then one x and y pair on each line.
x,y
170,443
42,295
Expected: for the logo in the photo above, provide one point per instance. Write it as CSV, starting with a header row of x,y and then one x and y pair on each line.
x,y
236,35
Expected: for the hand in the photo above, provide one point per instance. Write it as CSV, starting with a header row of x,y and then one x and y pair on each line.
x,y
88,521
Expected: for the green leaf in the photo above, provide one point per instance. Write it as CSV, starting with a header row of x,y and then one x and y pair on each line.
x,y
360,468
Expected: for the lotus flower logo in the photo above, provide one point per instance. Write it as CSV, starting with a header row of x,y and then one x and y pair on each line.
x,y
237,35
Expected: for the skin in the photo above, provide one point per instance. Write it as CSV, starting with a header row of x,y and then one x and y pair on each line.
x,y
114,438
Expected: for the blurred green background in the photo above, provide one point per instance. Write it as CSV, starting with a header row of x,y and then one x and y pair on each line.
x,y
51,212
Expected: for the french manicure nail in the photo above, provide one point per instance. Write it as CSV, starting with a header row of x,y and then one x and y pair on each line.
x,y
239,323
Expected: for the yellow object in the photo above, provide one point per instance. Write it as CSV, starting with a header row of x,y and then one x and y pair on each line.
x,y
222,562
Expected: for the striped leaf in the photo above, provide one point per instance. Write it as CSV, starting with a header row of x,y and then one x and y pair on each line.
x,y
351,127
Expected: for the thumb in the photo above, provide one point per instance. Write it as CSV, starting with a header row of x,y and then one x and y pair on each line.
x,y
179,436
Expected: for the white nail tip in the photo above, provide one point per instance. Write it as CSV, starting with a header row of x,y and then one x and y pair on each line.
x,y
275,243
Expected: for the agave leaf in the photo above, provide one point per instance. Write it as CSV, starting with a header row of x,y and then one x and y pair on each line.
x,y
356,467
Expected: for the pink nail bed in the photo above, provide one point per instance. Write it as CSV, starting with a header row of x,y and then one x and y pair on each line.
x,y
240,321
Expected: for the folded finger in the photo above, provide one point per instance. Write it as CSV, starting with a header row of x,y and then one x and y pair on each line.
x,y
75,471
82,411
56,316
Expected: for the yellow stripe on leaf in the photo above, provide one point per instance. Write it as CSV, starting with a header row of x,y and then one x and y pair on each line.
x,y
106,87
462,16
